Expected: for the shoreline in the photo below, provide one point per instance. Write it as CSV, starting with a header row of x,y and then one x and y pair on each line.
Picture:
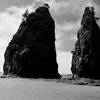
x,y
66,79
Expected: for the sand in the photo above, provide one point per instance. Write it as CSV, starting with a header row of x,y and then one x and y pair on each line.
x,y
39,89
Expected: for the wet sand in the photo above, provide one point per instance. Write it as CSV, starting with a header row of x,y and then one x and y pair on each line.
x,y
41,89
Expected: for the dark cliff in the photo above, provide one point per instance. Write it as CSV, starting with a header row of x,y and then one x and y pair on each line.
x,y
86,56
31,52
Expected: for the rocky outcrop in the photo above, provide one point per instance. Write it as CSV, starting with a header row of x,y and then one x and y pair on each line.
x,y
31,52
86,55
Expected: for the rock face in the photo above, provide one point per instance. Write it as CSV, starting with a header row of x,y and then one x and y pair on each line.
x,y
31,52
86,56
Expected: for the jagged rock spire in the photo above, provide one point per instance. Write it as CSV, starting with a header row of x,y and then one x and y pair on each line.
x,y
31,52
85,61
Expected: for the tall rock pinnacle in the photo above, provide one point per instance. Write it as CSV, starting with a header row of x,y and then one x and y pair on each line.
x,y
86,56
31,52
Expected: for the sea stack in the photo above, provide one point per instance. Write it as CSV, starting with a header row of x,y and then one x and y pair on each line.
x,y
86,54
31,52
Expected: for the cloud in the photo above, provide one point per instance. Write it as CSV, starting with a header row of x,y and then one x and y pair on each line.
x,y
64,62
66,36
8,25
97,2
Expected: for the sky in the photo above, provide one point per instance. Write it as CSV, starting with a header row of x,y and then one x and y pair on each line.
x,y
66,13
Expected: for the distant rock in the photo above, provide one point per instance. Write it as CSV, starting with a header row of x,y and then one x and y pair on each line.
x,y
31,52
86,56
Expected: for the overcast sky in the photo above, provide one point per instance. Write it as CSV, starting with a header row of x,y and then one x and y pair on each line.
x,y
66,13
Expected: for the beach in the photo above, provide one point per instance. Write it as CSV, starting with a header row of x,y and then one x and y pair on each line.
x,y
42,89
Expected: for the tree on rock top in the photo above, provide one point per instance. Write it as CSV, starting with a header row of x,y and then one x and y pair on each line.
x,y
25,15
